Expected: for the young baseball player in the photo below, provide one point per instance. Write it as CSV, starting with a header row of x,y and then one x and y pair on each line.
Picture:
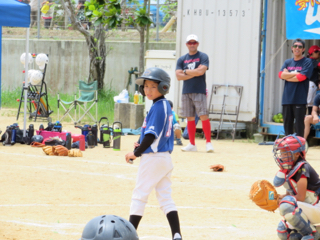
x,y
176,125
299,206
154,148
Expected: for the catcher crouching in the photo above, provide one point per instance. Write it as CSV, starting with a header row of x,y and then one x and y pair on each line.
x,y
300,206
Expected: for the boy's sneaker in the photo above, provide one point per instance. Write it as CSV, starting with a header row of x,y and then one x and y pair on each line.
x,y
189,148
179,142
177,236
209,147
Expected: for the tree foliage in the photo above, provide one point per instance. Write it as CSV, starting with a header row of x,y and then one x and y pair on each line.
x,y
110,14
169,8
106,14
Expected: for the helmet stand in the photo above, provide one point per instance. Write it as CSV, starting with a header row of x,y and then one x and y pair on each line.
x,y
37,99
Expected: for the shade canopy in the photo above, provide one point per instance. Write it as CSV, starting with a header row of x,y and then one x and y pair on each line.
x,y
14,14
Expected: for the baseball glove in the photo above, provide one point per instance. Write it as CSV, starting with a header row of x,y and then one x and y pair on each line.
x,y
264,195
36,144
75,153
60,150
217,167
48,150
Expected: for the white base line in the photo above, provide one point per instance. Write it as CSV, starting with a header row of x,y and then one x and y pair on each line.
x,y
225,174
68,159
123,205
61,227
121,176
154,237
56,227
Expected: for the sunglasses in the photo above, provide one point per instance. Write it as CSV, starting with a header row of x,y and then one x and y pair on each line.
x,y
192,43
316,51
297,46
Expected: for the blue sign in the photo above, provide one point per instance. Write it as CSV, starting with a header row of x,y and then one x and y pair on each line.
x,y
303,19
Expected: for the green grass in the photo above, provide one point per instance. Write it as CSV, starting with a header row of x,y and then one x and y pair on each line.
x,y
105,104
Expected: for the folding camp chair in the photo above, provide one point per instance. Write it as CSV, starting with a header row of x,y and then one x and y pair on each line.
x,y
88,97
67,106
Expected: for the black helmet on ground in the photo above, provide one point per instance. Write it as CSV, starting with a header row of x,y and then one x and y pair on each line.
x,y
37,138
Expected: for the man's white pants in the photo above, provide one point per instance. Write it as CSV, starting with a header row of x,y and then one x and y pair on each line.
x,y
154,173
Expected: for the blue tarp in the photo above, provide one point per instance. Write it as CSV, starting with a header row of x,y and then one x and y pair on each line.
x,y
12,14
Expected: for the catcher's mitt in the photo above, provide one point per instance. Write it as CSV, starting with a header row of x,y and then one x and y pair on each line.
x,y
264,195
75,153
217,167
60,150
48,150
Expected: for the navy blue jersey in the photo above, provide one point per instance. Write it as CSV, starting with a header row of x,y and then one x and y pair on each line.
x,y
159,123
312,176
297,92
196,84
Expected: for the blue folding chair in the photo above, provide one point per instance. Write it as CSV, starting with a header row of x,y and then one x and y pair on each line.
x,y
88,98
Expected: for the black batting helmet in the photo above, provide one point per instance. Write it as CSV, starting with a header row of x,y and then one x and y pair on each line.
x,y
157,75
109,227
37,138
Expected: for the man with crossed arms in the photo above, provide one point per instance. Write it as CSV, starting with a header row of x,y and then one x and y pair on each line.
x,y
191,69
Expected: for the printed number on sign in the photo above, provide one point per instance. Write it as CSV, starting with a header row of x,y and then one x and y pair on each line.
x,y
231,13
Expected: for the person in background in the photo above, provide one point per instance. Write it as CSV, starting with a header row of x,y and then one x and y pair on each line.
x,y
313,54
34,11
48,15
313,118
176,125
295,72
80,14
191,69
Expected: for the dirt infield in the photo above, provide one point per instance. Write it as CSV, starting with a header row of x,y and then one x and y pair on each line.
x,y
52,198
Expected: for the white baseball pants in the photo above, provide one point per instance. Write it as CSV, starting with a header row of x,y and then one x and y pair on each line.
x,y
311,211
154,173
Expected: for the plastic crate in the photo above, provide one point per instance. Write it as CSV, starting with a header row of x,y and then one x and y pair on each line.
x,y
48,134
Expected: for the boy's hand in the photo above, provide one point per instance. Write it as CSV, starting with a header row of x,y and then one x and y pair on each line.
x,y
130,156
136,144
280,197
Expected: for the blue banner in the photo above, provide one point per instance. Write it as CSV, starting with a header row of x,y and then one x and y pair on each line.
x,y
303,19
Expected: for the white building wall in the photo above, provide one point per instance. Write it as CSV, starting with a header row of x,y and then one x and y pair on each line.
x,y
229,32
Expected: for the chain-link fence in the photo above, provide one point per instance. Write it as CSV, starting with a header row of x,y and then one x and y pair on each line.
x,y
55,24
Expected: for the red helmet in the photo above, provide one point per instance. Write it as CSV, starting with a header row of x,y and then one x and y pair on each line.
x,y
284,148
